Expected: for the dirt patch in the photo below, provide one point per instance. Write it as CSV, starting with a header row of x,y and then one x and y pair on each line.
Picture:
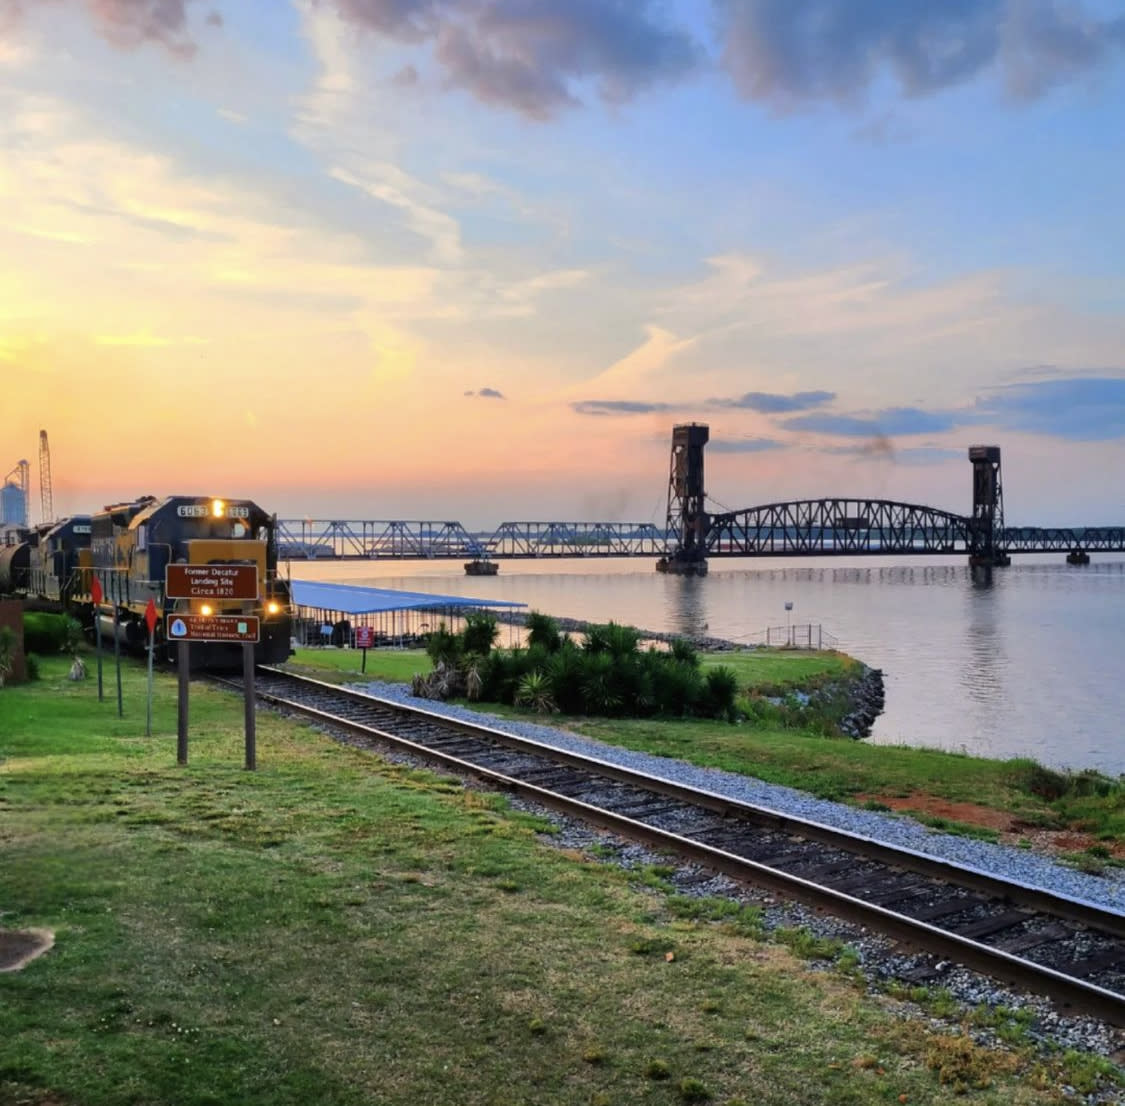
x,y
20,946
1012,829
972,814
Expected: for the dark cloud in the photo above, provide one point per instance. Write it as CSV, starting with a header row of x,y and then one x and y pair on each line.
x,y
131,23
1083,409
529,55
794,52
891,421
770,403
486,393
617,407
744,445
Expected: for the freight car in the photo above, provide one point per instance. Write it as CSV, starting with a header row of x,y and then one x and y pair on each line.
x,y
126,548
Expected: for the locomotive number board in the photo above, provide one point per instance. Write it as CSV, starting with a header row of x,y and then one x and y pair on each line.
x,y
219,627
211,582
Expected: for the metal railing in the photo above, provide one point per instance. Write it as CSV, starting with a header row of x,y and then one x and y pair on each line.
x,y
797,635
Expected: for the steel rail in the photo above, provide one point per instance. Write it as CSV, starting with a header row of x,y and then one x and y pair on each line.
x,y
1089,997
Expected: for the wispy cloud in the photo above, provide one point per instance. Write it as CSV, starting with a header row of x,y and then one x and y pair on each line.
x,y
745,445
486,393
145,338
617,407
892,421
772,403
392,186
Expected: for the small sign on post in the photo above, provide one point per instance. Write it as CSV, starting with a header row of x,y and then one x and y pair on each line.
x,y
364,639
96,596
214,627
150,622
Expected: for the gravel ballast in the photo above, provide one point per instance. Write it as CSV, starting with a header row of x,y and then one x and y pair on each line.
x,y
1017,864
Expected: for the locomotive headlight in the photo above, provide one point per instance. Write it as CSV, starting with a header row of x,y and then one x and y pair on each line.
x,y
218,507
273,607
205,610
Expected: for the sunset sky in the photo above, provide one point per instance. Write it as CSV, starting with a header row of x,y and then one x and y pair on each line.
x,y
473,259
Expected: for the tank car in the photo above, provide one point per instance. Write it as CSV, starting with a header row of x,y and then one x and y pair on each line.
x,y
15,561
131,545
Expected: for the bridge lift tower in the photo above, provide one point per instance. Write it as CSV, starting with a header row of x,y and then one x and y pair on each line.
x,y
687,515
986,526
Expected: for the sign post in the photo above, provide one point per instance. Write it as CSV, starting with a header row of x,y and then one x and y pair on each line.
x,y
116,587
222,582
150,622
183,666
249,720
96,596
364,639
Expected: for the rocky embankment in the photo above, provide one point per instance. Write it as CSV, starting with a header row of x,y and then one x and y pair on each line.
x,y
867,697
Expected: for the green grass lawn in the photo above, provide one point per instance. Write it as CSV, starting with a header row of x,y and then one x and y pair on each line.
x,y
781,668
334,929
343,665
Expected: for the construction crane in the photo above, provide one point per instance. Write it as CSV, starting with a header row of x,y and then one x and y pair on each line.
x,y
46,498
19,478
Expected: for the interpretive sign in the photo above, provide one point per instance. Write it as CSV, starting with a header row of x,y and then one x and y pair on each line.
x,y
220,627
211,582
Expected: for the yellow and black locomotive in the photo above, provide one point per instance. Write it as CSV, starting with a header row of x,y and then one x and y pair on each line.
x,y
105,568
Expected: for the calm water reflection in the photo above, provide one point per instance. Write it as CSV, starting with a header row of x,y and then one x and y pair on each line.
x,y
1026,663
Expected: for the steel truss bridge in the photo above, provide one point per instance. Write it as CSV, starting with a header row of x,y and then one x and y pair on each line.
x,y
369,539
811,527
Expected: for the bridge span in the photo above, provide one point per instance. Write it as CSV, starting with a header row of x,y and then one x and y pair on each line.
x,y
692,535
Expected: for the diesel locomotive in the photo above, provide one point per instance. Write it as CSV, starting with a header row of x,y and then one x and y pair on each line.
x,y
126,548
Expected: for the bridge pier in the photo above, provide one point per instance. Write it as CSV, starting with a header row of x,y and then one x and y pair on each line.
x,y
1078,557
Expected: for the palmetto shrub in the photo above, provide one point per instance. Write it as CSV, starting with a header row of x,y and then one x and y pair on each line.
x,y
443,646
480,633
543,630
722,692
567,671
612,638
535,692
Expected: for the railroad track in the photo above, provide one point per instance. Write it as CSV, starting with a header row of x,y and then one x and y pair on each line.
x,y
1067,949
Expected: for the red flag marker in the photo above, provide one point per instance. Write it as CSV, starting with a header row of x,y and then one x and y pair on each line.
x,y
150,616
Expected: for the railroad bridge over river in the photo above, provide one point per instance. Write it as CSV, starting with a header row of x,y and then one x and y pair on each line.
x,y
692,535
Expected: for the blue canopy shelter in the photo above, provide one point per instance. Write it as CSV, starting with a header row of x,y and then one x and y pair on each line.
x,y
329,613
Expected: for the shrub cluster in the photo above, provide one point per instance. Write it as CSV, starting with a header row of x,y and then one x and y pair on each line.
x,y
607,674
45,633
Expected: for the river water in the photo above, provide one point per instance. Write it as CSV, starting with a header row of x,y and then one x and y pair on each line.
x,y
1031,663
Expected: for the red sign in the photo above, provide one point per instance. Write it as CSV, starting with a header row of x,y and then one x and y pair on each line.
x,y
364,637
150,616
219,627
211,581
96,590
